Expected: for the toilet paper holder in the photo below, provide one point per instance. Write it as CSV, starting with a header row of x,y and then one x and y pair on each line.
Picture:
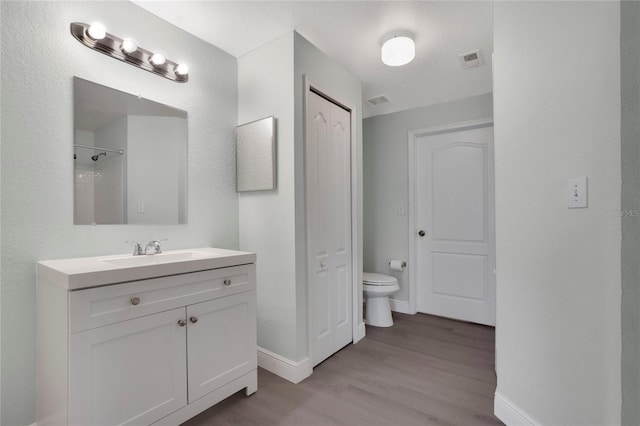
x,y
397,265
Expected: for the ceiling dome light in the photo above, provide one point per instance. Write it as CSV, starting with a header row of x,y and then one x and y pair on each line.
x,y
182,69
128,46
96,31
157,59
398,48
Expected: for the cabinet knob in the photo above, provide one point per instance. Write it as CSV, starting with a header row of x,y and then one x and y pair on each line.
x,y
227,282
182,323
422,233
193,320
135,300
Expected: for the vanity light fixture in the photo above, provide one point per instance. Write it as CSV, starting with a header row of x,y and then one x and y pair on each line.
x,y
157,59
126,50
182,69
398,48
96,31
128,46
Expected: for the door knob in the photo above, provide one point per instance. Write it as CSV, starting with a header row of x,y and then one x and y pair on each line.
x,y
422,233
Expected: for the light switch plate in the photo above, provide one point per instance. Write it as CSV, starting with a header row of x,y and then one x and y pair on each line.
x,y
577,191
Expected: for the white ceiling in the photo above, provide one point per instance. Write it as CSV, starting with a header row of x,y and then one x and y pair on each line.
x,y
350,33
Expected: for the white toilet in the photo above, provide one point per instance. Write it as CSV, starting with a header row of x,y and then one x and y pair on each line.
x,y
377,289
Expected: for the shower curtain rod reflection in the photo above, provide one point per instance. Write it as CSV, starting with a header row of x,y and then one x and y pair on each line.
x,y
97,148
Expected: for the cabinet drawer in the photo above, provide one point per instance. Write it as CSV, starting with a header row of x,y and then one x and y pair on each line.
x,y
100,306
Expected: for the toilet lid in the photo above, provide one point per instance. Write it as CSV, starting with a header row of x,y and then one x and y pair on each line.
x,y
378,279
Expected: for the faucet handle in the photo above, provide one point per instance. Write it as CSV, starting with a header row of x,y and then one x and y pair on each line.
x,y
155,246
137,248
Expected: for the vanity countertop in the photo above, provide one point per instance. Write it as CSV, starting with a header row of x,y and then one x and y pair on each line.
x,y
85,272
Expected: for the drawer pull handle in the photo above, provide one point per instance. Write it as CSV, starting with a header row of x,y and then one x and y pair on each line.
x,y
135,300
193,320
182,323
227,282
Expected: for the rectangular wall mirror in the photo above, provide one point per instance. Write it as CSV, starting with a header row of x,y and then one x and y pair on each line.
x,y
130,158
256,155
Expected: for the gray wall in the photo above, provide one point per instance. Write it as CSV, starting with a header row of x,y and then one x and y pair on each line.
x,y
557,116
39,59
630,73
270,83
386,184
335,81
265,88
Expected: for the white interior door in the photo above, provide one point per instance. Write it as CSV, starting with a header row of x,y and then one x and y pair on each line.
x,y
455,225
328,177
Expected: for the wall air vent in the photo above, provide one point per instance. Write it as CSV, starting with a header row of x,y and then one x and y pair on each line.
x,y
471,59
377,100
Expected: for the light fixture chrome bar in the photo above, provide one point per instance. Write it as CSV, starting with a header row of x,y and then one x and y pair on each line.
x,y
97,148
112,46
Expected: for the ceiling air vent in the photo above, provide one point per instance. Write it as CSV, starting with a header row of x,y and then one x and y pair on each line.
x,y
377,100
471,59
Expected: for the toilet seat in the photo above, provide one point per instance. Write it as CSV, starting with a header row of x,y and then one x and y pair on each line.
x,y
373,279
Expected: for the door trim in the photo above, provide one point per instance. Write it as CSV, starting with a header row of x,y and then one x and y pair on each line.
x,y
358,328
412,141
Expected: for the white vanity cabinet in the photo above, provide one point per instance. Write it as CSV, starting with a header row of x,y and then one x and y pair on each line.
x,y
150,351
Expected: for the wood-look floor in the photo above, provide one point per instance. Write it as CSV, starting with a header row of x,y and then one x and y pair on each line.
x,y
424,370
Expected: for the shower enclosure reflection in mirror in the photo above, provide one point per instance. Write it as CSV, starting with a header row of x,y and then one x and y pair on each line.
x,y
130,158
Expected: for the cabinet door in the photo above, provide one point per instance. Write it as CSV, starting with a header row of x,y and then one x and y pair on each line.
x,y
221,336
132,372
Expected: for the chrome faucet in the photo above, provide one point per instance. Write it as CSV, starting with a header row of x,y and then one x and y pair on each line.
x,y
154,247
137,248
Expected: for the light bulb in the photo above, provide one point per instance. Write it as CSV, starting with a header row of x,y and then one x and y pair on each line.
x,y
128,46
182,69
398,49
157,59
96,31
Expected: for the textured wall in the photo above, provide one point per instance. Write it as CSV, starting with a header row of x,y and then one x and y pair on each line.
x,y
39,59
386,184
630,64
557,116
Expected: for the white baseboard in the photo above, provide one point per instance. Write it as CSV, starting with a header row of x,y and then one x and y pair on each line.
x,y
400,306
509,413
360,332
293,371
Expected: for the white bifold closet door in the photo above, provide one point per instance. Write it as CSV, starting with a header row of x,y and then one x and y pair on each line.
x,y
328,198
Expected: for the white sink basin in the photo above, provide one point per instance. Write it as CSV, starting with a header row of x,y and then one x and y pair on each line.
x,y
157,258
85,272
